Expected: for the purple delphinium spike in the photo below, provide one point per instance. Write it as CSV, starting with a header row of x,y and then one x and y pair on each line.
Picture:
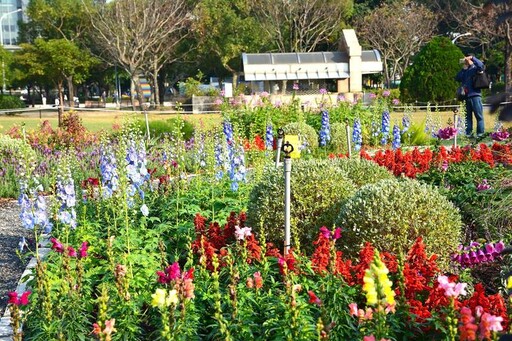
x,y
385,127
66,197
269,138
357,136
396,137
325,129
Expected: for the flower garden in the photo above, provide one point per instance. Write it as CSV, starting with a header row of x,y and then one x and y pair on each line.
x,y
180,237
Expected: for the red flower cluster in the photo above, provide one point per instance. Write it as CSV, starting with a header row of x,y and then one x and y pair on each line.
x,y
257,144
411,163
212,239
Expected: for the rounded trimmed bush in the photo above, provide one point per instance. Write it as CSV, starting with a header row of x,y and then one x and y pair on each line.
x,y
306,133
362,171
391,214
317,189
339,137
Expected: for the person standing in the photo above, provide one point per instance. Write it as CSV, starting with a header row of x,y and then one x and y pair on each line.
x,y
473,100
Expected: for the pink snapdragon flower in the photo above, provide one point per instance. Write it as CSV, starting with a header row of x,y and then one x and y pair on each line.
x,y
483,186
447,133
242,233
451,289
500,135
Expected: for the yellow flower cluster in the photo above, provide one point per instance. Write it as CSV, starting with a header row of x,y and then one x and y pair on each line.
x,y
162,298
377,284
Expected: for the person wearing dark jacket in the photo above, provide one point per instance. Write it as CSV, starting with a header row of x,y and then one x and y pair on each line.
x,y
472,65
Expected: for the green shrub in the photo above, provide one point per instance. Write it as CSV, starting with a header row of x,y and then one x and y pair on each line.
x,y
362,171
486,214
339,138
317,189
430,78
10,102
169,126
307,134
391,214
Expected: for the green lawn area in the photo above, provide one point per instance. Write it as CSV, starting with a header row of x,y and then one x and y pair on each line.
x,y
99,120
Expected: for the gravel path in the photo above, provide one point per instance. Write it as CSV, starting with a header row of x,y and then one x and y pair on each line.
x,y
11,266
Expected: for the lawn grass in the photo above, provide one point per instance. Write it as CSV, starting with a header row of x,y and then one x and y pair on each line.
x,y
100,120
104,120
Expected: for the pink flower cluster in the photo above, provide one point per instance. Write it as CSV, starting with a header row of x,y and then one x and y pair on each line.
x,y
476,253
326,233
483,186
59,248
242,232
182,282
451,289
18,300
470,326
500,135
447,133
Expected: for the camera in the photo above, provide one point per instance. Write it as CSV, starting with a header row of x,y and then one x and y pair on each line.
x,y
462,60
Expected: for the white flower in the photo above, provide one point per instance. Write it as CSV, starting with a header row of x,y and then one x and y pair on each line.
x,y
242,233
144,210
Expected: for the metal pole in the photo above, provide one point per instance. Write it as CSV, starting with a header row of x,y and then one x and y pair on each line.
x,y
287,149
348,141
455,121
280,137
147,121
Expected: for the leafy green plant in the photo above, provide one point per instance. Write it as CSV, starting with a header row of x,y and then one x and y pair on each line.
x,y
169,126
306,133
391,214
339,141
318,187
431,76
485,212
10,102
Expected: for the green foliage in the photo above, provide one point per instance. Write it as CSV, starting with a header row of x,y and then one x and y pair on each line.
x,y
11,152
362,171
169,126
306,133
339,141
391,214
486,213
431,76
10,102
318,187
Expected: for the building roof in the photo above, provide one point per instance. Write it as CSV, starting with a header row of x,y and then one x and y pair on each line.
x,y
307,65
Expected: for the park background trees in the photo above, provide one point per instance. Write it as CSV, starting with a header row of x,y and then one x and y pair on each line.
x,y
165,41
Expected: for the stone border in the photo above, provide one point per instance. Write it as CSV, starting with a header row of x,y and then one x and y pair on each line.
x,y
6,332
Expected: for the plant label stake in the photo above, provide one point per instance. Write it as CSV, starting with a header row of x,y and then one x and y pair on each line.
x,y
455,120
287,150
280,137
347,127
145,106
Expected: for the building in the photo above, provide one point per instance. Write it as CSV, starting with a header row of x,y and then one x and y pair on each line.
x,y
11,13
310,70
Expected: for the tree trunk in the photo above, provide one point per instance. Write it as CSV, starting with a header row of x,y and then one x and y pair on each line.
x,y
156,93
386,73
132,91
138,90
508,65
71,91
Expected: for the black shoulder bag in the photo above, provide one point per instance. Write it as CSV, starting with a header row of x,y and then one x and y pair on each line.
x,y
481,80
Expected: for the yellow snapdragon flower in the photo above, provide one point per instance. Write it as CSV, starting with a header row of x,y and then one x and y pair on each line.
x,y
158,298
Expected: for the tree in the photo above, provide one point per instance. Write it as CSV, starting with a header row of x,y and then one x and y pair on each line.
x,y
58,19
431,77
55,60
488,21
398,30
301,25
140,33
223,29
